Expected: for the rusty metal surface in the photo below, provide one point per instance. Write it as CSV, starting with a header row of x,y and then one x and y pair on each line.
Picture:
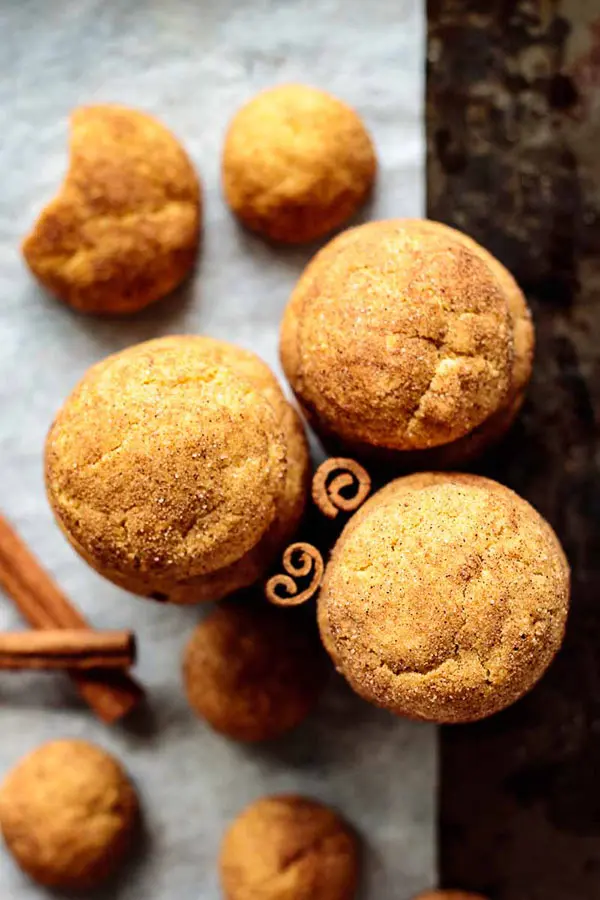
x,y
514,159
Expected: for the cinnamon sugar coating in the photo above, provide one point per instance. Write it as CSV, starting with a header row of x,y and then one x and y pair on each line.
x,y
445,598
297,163
497,425
406,341
123,229
178,469
289,848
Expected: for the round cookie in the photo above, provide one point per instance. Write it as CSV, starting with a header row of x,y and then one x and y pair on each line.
x,y
289,848
67,814
253,671
520,315
123,230
492,429
178,469
396,340
297,163
445,598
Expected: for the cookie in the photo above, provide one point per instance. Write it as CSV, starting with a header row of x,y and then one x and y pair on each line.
x,y
397,340
123,230
67,814
289,848
297,163
445,598
252,671
177,469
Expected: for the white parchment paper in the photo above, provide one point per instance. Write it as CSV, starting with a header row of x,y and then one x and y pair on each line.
x,y
192,63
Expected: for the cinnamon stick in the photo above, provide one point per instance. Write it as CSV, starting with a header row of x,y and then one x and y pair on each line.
x,y
340,485
301,562
110,694
67,649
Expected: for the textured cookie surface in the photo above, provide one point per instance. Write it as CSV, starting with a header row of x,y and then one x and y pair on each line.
x,y
398,339
123,230
176,466
297,163
492,429
289,848
253,671
445,598
522,325
67,813
497,425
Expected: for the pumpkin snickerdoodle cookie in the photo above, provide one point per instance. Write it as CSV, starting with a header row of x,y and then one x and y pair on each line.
x,y
406,341
289,848
253,671
123,230
67,814
297,163
445,598
496,426
178,469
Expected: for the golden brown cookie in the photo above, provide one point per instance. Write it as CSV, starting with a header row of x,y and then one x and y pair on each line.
x,y
445,598
297,163
397,339
523,332
67,814
123,230
178,469
497,425
289,848
253,671
450,895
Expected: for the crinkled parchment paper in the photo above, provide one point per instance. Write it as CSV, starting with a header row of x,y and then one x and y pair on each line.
x,y
192,63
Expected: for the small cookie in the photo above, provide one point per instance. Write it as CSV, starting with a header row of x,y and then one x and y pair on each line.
x,y
445,598
297,163
123,230
177,468
289,848
253,671
67,814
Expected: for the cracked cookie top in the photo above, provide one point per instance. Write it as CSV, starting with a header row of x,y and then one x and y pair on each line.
x,y
445,598
297,163
165,463
123,230
289,847
398,338
522,325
